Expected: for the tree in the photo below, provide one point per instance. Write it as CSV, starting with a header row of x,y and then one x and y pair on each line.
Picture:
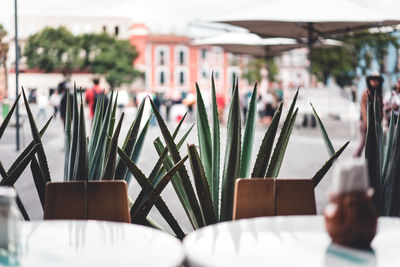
x,y
52,50
59,50
110,57
255,66
359,50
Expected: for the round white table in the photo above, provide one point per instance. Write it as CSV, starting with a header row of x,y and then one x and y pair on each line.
x,y
94,243
287,241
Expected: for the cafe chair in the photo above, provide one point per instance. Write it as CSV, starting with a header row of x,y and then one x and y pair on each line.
x,y
93,200
259,197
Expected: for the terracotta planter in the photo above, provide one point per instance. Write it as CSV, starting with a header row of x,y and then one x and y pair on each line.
x,y
93,200
259,197
351,219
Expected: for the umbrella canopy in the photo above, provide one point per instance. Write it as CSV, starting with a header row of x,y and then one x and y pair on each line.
x,y
251,44
308,18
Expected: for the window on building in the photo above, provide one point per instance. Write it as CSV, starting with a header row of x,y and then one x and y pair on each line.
x,y
181,77
116,30
216,75
204,74
162,57
162,77
181,57
203,53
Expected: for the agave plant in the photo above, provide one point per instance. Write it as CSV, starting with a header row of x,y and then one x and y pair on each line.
x,y
382,153
100,158
28,155
214,199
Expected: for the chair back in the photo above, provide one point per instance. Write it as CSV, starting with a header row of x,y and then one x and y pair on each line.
x,y
259,197
93,200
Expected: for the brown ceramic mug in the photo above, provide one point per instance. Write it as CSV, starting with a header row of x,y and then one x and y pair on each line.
x,y
351,219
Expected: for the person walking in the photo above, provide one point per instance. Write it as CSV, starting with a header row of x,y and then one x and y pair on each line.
x,y
55,100
374,87
391,101
91,96
42,103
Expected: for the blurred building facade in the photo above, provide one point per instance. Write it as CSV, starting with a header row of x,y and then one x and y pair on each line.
x,y
170,63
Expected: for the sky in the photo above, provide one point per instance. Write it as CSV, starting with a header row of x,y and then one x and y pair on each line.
x,y
162,16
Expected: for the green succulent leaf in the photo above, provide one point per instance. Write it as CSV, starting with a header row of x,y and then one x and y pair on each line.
x,y
325,168
147,188
263,156
130,141
327,141
216,147
67,140
8,117
204,136
283,139
232,157
248,136
183,174
40,182
148,203
81,166
111,158
36,137
202,187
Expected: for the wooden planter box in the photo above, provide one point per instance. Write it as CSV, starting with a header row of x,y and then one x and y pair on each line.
x,y
81,200
259,197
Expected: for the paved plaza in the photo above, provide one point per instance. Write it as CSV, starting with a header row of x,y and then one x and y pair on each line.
x,y
305,154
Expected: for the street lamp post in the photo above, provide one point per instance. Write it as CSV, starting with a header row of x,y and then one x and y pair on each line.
x,y
16,74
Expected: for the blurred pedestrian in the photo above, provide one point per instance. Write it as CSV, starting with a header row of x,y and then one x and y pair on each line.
x,y
374,87
55,100
391,101
91,96
221,106
42,103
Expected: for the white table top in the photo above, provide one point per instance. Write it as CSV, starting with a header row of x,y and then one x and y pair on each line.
x,y
95,243
287,241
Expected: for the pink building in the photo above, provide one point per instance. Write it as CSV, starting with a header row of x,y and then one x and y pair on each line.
x,y
170,63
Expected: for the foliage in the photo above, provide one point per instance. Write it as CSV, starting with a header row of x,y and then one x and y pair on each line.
x,y
253,72
10,177
52,49
214,199
59,50
382,153
359,50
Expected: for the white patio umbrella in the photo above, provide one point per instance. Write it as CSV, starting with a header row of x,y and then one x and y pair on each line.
x,y
252,44
308,19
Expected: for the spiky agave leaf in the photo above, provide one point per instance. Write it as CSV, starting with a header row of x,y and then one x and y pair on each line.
x,y
96,128
8,117
183,174
216,147
44,168
74,140
40,182
129,143
325,168
204,136
111,158
248,136
232,157
81,166
28,148
98,158
147,188
283,139
67,140
265,151
148,203
202,187
325,137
